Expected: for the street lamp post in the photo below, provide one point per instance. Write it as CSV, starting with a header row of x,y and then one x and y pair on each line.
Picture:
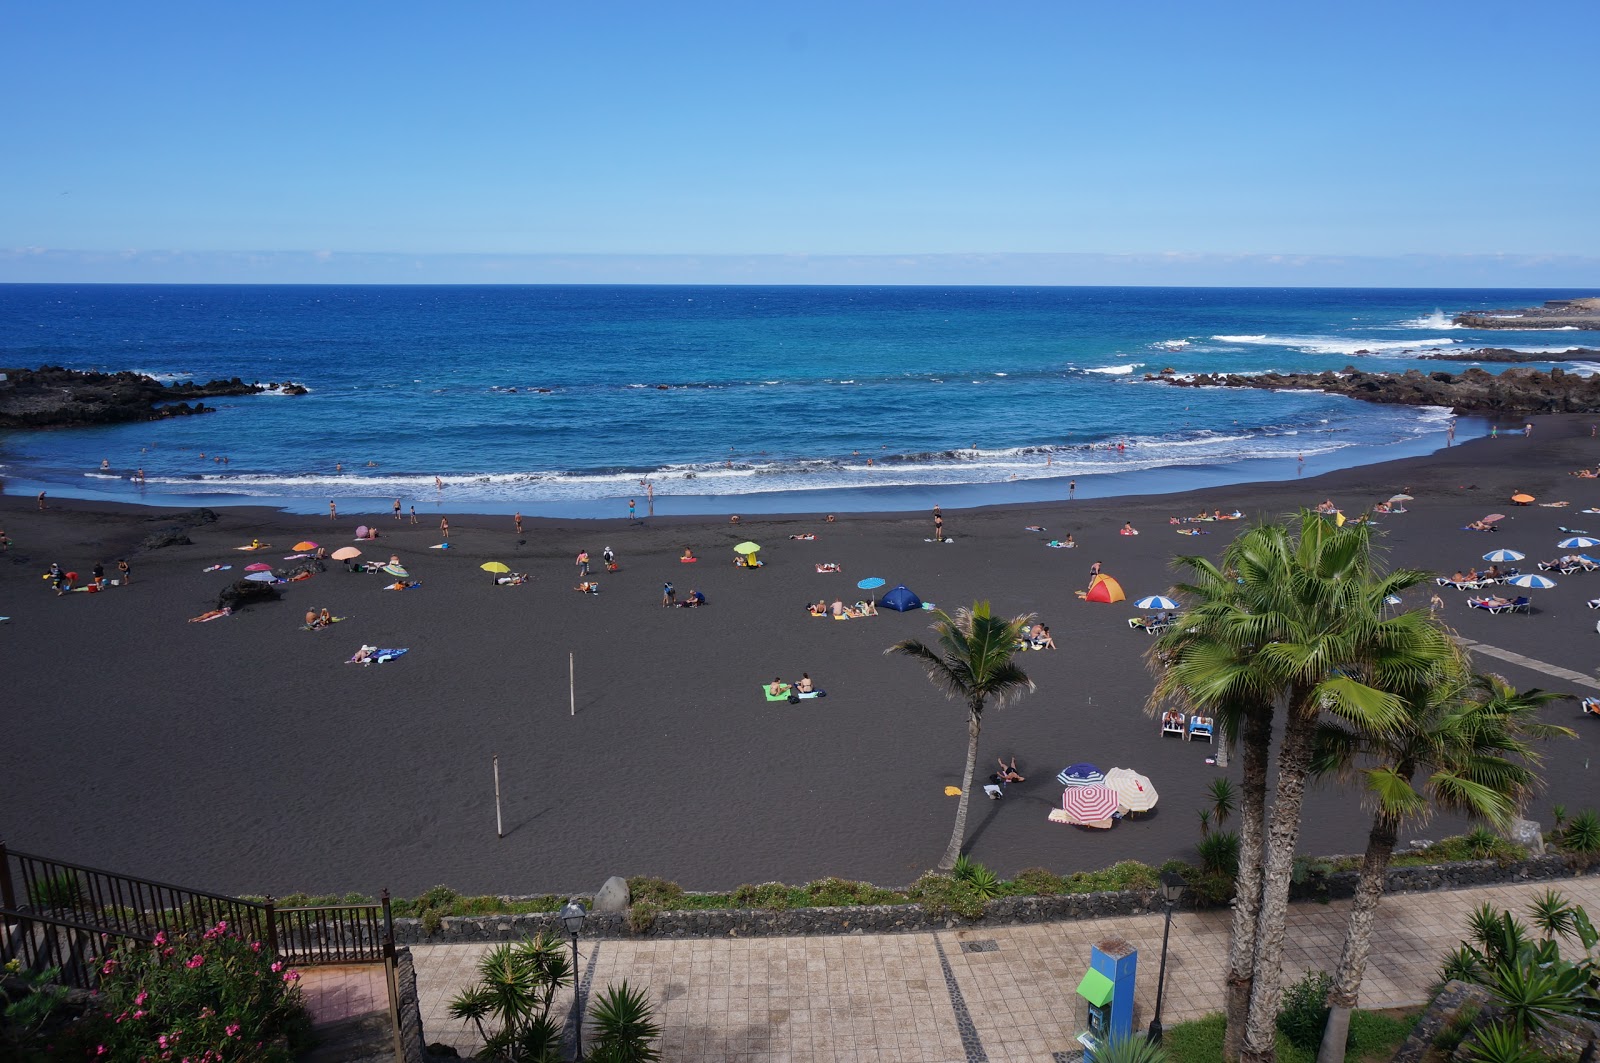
x,y
1172,885
572,916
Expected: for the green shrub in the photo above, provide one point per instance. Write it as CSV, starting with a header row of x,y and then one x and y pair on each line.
x,y
939,894
773,896
1219,853
431,921
1455,1031
437,897
1209,889
838,892
60,890
625,1027
656,890
1582,834
1304,1011
642,915
984,883
210,995
1037,882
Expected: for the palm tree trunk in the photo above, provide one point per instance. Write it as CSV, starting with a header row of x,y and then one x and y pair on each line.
x,y
1255,746
1283,835
1346,991
952,852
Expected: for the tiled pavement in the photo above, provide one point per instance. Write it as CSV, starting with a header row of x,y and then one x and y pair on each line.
x,y
894,997
337,993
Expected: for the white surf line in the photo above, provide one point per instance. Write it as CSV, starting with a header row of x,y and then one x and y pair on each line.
x,y
1528,662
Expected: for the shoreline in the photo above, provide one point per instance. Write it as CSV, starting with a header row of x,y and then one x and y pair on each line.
x,y
244,755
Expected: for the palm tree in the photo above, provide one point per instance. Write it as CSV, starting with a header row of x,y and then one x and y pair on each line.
x,y
1470,737
971,660
1199,665
1303,625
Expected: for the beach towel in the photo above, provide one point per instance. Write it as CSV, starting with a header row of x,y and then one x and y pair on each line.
x,y
405,587
1034,527
770,696
375,655
217,568
1054,545
829,566
206,618
803,538
1059,815
946,539
263,546
1192,531
1555,505
994,792
296,557
952,791
439,546
688,560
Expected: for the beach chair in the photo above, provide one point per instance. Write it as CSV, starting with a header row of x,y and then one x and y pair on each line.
x,y
1591,707
1486,605
1522,604
1589,564
1594,603
1172,726
1460,585
1199,727
1136,621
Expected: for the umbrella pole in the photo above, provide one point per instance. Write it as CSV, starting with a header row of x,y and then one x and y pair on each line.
x,y
572,685
499,830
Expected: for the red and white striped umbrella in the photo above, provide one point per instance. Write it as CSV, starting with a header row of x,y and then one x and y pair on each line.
x,y
1088,804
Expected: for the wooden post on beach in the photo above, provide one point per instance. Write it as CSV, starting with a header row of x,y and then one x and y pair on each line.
x,y
572,685
499,831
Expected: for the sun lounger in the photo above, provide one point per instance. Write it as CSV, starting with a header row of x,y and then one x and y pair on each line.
x,y
1488,605
1591,706
1522,605
1460,585
1172,726
1199,727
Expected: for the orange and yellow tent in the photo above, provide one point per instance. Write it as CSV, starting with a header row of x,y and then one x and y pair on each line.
x,y
1105,589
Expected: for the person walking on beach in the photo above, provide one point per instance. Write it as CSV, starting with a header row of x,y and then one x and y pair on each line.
x,y
41,501
99,576
632,505
125,571
397,509
413,514
669,594
583,562
333,510
1094,570
517,518
444,528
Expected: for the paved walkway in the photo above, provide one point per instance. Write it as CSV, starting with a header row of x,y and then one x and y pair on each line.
x,y
963,996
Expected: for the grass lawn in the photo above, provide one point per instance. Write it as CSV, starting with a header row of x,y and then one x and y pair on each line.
x,y
1374,1036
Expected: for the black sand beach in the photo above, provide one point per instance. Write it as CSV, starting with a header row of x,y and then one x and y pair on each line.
x,y
244,755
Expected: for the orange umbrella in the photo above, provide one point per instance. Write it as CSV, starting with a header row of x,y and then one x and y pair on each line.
x,y
307,545
1522,500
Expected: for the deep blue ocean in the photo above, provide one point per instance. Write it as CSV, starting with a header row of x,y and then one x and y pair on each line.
x,y
561,400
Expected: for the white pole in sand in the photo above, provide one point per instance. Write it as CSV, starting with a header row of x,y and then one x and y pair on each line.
x,y
572,685
499,830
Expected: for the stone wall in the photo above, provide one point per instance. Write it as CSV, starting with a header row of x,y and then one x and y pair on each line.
x,y
412,1040
1004,911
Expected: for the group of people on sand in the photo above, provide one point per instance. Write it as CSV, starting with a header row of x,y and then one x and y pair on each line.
x,y
840,611
316,621
1039,637
1204,516
778,688
63,581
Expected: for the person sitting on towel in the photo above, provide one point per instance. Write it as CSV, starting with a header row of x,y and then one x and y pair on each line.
x,y
819,608
777,688
324,618
837,608
805,686
688,555
867,608
694,599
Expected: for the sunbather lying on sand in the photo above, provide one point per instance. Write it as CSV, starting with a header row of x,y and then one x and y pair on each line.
x,y
829,566
516,579
214,614
587,588
1479,525
804,538
403,585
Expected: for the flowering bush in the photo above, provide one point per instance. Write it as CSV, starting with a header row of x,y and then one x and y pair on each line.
x,y
197,998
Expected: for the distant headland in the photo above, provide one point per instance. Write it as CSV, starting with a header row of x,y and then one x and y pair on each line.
x,y
1555,313
53,397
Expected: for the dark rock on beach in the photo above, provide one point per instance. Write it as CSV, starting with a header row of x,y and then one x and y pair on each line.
x,y
189,518
173,536
53,397
1519,391
241,593
1505,354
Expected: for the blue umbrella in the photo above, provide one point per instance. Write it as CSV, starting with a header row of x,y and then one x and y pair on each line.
x,y
1538,583
1155,601
871,583
1578,542
262,577
1081,775
1499,556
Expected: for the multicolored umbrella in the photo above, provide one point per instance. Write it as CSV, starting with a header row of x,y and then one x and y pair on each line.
x,y
1534,581
1090,804
1391,599
396,570
1080,775
259,566
1502,556
1137,792
346,553
1578,542
1156,601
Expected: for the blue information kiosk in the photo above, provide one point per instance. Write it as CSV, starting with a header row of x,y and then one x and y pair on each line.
x,y
1107,988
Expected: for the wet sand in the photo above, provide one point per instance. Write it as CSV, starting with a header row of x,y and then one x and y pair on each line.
x,y
244,755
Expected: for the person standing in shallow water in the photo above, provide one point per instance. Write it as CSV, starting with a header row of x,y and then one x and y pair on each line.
x,y
1072,488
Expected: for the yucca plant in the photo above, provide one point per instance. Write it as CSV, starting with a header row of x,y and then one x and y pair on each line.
x,y
1219,853
984,882
1582,835
1501,1042
1222,801
1129,1048
1552,914
624,1027
510,1004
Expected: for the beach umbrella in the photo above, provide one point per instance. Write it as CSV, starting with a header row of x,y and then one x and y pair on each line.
x,y
1155,601
1522,499
346,553
1578,542
494,566
261,577
1080,775
361,531
396,570
1136,792
1500,556
1391,599
872,583
746,548
1534,581
307,545
1401,498
259,566
1090,804
1491,518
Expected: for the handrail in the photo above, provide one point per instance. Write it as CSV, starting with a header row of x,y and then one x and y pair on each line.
x,y
4,849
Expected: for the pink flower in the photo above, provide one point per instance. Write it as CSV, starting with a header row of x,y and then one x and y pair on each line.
x,y
233,1029
108,967
162,1040
102,1049
161,938
195,961
139,1014
255,946
277,965
141,998
291,976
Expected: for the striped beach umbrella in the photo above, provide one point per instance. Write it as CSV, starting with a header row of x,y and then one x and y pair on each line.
x,y
1391,599
1502,556
1155,601
1090,804
1578,542
1136,792
1080,775
1534,581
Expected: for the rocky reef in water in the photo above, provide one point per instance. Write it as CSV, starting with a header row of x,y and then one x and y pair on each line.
x,y
1555,313
1518,391
1506,354
53,397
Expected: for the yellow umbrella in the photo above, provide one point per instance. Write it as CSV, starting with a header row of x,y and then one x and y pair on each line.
x,y
494,566
307,545
746,548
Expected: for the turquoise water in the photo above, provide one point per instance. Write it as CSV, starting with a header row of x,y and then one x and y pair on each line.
x,y
562,399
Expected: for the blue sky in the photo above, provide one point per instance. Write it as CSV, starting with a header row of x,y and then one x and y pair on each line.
x,y
1051,142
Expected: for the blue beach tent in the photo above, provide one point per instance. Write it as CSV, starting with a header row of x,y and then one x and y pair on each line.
x,y
900,599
